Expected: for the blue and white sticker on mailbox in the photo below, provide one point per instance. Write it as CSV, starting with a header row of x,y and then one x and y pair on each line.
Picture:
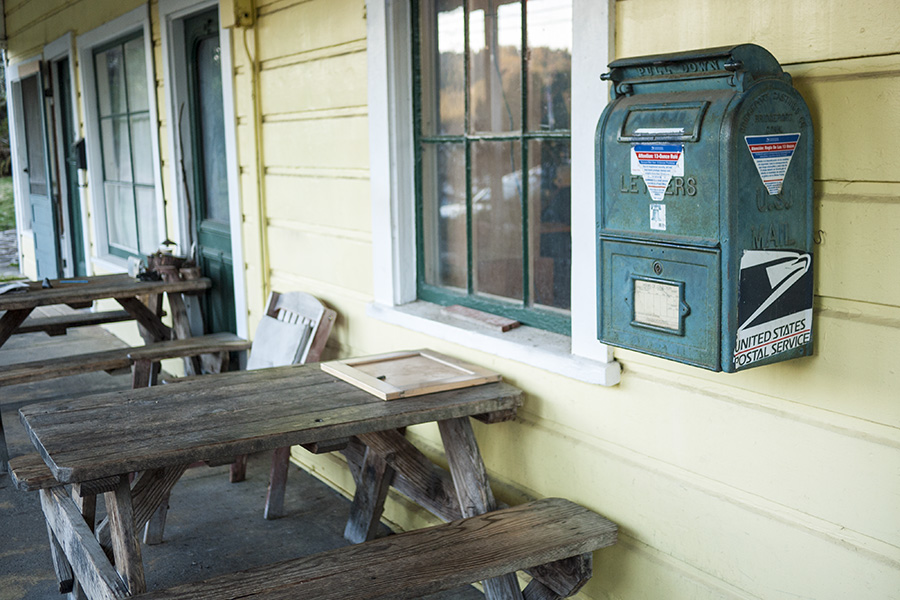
x,y
657,164
772,156
775,297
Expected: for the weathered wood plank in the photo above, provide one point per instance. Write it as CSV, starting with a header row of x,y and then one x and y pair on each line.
x,y
30,473
425,483
535,590
146,318
126,548
11,320
151,427
150,492
473,489
86,503
58,324
368,499
277,481
118,358
420,562
179,348
326,446
87,559
64,576
98,288
39,370
565,577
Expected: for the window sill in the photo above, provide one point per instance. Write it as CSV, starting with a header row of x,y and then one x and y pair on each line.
x,y
109,264
530,346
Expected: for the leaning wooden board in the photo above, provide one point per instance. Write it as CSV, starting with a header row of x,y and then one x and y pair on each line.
x,y
409,373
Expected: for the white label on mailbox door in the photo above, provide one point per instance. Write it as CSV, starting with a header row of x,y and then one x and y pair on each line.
x,y
656,304
772,155
658,217
657,164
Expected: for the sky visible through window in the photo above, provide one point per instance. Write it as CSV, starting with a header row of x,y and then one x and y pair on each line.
x,y
549,26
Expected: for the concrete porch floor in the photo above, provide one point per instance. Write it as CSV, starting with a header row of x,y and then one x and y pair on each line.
x,y
213,527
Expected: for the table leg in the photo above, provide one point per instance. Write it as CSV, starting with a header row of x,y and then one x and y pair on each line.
x,y
96,577
10,321
277,482
126,547
61,566
368,500
155,329
474,491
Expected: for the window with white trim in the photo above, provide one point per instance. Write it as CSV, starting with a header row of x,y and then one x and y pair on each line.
x,y
118,88
123,112
392,168
492,105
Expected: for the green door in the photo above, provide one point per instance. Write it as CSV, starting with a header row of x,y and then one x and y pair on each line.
x,y
70,164
211,222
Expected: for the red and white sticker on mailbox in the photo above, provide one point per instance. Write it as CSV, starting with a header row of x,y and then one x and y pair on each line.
x,y
772,156
657,164
775,297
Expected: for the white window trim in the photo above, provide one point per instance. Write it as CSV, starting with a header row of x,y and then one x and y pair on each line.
x,y
391,164
171,15
16,72
134,20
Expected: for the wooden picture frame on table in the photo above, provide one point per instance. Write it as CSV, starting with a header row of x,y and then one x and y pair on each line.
x,y
409,373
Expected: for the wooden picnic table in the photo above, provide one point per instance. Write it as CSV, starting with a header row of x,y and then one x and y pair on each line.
x,y
82,292
95,442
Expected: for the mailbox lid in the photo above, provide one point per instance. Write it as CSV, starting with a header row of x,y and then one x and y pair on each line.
x,y
661,300
635,133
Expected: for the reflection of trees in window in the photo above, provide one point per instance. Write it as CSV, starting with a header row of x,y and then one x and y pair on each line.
x,y
493,155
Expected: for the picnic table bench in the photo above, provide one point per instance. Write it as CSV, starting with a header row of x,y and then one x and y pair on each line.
x,y
94,443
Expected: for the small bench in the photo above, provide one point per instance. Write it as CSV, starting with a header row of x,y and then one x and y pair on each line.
x,y
551,538
30,473
59,324
120,358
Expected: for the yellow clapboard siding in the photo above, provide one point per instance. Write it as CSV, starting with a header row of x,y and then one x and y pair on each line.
x,y
730,538
853,262
39,22
332,82
857,124
796,31
329,143
855,346
309,26
342,262
323,201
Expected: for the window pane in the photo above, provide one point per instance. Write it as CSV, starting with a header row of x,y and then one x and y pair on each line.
x,y
495,69
497,218
550,195
212,130
442,41
146,211
32,103
444,214
549,64
136,75
140,144
120,217
116,149
110,75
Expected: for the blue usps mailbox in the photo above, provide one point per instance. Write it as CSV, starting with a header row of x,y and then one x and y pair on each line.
x,y
704,209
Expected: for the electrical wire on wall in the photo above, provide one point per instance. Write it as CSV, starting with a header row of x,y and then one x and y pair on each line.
x,y
260,160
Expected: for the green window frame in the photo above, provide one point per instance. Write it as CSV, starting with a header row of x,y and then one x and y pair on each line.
x,y
487,236
128,169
